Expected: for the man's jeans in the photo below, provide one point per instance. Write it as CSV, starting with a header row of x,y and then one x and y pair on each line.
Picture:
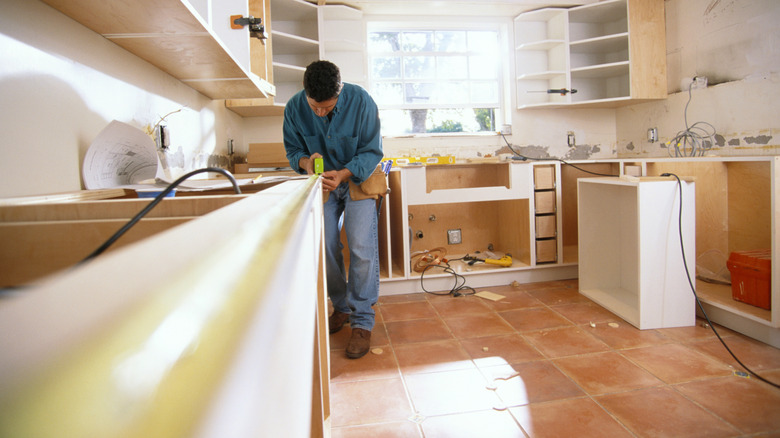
x,y
357,295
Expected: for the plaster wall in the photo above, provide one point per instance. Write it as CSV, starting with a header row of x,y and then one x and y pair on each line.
x,y
735,44
61,84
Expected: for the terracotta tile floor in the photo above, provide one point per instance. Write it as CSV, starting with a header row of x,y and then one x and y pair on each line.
x,y
545,362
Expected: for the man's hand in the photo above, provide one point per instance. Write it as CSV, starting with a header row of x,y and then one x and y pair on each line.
x,y
307,163
332,178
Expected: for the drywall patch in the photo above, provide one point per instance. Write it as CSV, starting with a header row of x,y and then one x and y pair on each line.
x,y
533,151
720,140
734,142
630,146
582,152
761,139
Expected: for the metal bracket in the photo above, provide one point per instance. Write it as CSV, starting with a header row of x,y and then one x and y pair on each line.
x,y
256,27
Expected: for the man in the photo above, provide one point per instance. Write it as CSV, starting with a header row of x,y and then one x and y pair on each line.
x,y
340,123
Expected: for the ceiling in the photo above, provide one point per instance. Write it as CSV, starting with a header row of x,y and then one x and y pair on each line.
x,y
501,8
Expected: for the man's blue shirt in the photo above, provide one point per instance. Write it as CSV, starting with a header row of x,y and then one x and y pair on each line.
x,y
350,139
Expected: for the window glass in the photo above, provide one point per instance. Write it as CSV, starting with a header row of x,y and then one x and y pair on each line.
x,y
434,80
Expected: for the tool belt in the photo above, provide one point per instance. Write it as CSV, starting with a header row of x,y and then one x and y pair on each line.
x,y
374,187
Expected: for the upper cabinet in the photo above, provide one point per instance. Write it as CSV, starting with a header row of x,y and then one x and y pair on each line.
x,y
294,32
189,40
344,41
603,54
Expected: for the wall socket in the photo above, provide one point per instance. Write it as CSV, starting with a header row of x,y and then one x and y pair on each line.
x,y
506,129
454,237
652,135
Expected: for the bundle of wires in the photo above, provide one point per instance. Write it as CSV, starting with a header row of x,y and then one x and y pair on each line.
x,y
695,140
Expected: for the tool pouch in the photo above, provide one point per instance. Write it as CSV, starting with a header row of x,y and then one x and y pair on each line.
x,y
374,187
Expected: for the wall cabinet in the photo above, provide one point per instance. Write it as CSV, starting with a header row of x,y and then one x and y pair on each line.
x,y
189,41
612,53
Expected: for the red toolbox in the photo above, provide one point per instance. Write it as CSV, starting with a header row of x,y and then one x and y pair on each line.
x,y
751,277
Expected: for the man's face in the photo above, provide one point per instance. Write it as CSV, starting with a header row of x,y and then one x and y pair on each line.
x,y
322,109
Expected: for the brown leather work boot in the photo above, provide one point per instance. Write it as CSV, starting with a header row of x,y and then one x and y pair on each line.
x,y
359,343
336,321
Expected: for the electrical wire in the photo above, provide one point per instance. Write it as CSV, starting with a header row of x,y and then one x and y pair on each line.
x,y
460,281
154,203
696,296
524,157
693,138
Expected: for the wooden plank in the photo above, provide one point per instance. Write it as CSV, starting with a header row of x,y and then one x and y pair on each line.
x,y
115,209
749,207
647,48
267,155
81,195
447,177
32,250
712,200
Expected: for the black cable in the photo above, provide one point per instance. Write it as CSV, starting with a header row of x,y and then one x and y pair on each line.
x,y
154,203
696,296
525,157
456,289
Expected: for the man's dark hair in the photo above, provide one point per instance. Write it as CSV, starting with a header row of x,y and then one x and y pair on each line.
x,y
322,80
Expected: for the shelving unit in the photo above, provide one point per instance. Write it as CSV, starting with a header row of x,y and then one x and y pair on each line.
x,y
176,38
630,258
611,52
294,29
343,41
540,56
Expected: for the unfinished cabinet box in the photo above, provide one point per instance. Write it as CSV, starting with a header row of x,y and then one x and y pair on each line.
x,y
630,260
611,52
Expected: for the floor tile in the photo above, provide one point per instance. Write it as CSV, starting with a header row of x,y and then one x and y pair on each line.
x,y
531,382
404,429
419,330
586,313
371,366
566,341
427,357
700,330
556,296
748,404
490,423
500,350
407,311
450,392
603,373
513,299
369,401
676,363
663,412
476,326
623,335
578,417
401,298
460,306
754,354
537,318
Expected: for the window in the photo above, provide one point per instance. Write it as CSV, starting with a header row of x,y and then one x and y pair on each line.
x,y
435,80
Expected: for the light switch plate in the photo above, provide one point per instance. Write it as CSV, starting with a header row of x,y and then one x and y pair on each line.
x,y
453,236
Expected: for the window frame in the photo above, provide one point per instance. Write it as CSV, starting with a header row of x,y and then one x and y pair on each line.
x,y
502,112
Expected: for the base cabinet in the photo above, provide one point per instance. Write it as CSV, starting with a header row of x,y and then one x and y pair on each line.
x,y
631,259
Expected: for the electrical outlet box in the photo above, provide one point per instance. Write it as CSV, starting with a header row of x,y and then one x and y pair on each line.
x,y
453,236
652,135
570,140
506,129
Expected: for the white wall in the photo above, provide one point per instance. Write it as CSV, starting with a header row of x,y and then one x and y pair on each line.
x,y
61,84
736,45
